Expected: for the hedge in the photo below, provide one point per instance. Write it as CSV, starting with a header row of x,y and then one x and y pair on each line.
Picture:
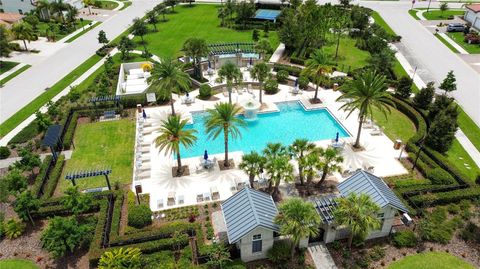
x,y
70,131
442,198
292,70
41,175
26,134
95,250
116,215
52,180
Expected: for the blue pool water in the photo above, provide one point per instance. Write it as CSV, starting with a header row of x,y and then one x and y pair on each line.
x,y
290,123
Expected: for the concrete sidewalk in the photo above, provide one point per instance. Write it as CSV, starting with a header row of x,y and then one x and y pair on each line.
x,y
321,256
11,71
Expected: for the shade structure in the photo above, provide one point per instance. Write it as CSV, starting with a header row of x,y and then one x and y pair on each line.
x,y
52,135
296,82
209,64
144,114
205,155
336,137
251,61
187,94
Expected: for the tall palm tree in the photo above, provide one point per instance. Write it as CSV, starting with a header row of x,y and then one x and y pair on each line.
x,y
223,119
297,219
311,164
252,163
260,72
58,7
364,93
358,213
43,9
72,13
172,135
316,68
23,31
229,72
277,165
298,149
196,48
330,160
167,78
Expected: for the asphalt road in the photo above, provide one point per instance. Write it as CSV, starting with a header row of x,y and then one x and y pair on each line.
x,y
28,85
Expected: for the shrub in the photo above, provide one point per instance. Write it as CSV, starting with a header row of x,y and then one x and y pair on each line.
x,y
440,177
55,175
292,70
4,153
205,92
14,228
26,134
282,76
437,228
271,86
453,209
405,239
471,232
424,98
377,253
404,87
41,175
279,253
303,82
140,216
68,137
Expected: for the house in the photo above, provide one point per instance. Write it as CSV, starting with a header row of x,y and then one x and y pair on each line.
x,y
248,216
361,182
25,6
8,19
472,15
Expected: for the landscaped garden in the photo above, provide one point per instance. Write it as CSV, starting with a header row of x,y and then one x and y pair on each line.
x,y
431,260
17,264
459,38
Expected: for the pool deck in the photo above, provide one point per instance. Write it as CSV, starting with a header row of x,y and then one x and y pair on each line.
x,y
157,180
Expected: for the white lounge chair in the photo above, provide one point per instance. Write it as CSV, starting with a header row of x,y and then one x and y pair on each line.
x,y
377,131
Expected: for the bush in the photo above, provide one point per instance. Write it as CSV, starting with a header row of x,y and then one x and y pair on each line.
x,y
14,228
439,176
282,76
54,177
140,216
41,175
404,87
271,86
68,137
436,227
303,82
279,253
292,70
297,60
424,98
4,153
405,239
26,134
205,92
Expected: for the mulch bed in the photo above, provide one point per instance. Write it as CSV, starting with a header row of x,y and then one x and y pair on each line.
x,y
328,186
314,101
185,172
221,164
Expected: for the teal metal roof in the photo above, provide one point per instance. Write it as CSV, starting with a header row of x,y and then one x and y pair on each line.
x,y
373,186
247,210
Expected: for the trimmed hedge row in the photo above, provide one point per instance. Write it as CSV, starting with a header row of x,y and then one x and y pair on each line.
x,y
70,131
41,175
116,215
52,180
95,250
442,198
292,70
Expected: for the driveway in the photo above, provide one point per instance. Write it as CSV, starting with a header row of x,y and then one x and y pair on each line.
x,y
28,85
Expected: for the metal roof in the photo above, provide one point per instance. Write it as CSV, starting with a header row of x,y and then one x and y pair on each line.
x,y
247,210
52,135
373,186
325,206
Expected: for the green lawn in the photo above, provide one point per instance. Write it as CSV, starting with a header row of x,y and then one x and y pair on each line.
x,y
14,74
460,158
102,144
126,4
458,37
42,99
431,260
17,264
6,65
452,48
43,27
469,127
348,54
200,21
396,125
379,20
413,13
436,14
83,32
107,5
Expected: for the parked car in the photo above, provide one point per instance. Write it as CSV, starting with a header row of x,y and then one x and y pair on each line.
x,y
455,27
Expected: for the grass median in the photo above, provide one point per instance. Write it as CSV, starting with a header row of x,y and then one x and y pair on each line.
x,y
14,74
95,24
445,42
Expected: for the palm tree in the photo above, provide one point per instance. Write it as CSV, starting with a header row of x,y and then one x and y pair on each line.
x,y
24,32
223,119
317,67
297,219
330,160
172,135
196,48
252,163
298,149
364,93
229,72
167,78
260,72
311,164
43,9
277,165
72,13
58,7
161,9
263,47
88,3
358,213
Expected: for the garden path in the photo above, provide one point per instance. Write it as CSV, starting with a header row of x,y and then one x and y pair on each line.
x,y
321,256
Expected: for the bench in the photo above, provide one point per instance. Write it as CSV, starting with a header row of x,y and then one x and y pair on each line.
x,y
110,114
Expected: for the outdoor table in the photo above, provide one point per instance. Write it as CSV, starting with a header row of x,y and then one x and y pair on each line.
x,y
207,164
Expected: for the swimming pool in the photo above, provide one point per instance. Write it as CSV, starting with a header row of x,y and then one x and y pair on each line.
x,y
292,122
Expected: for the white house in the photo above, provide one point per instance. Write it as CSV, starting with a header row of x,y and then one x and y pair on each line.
x,y
24,6
366,183
472,15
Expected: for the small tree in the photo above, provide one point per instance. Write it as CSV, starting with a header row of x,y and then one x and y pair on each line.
x,y
424,98
25,205
255,35
171,4
443,7
75,201
252,164
139,28
4,47
441,103
125,46
121,258
161,9
218,255
62,235
442,132
404,87
330,160
43,121
16,182
24,32
14,228
28,161
102,37
152,19
298,150
449,83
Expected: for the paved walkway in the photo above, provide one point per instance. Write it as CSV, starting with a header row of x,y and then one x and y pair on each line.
x,y
7,162
79,30
278,53
321,256
11,71
453,43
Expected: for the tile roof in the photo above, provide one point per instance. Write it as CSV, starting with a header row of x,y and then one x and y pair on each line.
x,y
373,186
474,7
247,210
10,17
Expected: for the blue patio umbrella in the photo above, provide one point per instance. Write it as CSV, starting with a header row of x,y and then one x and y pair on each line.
x,y
205,155
209,64
187,94
296,82
251,61
336,137
144,115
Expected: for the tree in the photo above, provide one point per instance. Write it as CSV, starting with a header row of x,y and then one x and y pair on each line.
x,y
75,201
102,37
223,118
62,235
125,46
229,72
424,98
121,258
358,213
4,46
263,47
443,7
24,32
196,48
260,72
364,93
171,4
382,62
28,161
72,13
151,17
43,121
43,10
297,219
168,78
341,21
139,28
252,164
311,164
218,255
222,14
255,35
330,160
404,87
277,165
316,68
245,11
57,7
16,182
449,83
442,131
88,3
25,204
161,9
172,134
345,3
32,20
441,103
299,149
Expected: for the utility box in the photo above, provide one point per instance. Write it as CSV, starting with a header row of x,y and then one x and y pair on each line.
x,y
397,144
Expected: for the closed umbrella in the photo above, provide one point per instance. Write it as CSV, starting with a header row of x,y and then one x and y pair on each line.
x,y
336,137
251,61
144,114
209,64
205,155
296,82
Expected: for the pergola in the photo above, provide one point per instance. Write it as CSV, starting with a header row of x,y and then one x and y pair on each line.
x,y
89,173
231,48
52,138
